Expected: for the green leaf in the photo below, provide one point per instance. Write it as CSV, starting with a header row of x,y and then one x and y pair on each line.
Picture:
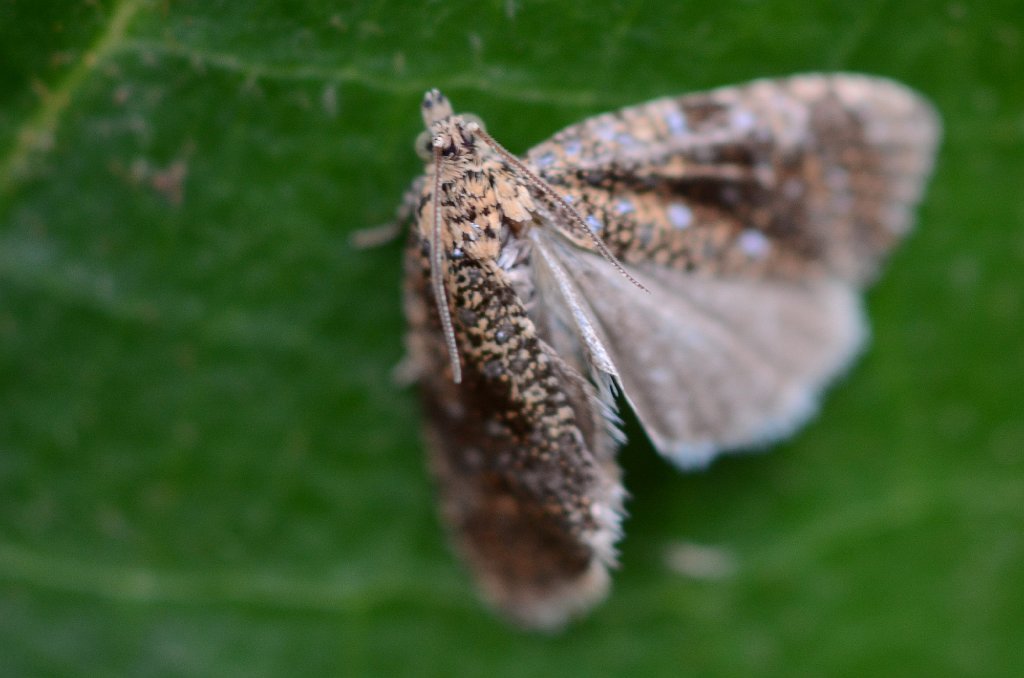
x,y
206,469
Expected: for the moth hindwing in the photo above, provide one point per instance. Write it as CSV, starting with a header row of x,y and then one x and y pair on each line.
x,y
703,254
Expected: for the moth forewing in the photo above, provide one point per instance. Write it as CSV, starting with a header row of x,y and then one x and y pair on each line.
x,y
519,448
746,220
529,505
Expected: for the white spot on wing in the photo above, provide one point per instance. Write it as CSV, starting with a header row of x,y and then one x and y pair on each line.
x,y
754,244
742,120
605,131
679,215
676,122
546,160
594,223
626,140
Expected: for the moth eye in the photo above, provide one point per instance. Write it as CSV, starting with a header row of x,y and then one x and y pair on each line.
x,y
425,145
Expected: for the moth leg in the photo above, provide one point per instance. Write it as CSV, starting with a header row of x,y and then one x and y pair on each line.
x,y
406,372
382,234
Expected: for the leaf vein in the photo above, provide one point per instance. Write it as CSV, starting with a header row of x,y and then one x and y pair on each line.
x,y
352,74
37,132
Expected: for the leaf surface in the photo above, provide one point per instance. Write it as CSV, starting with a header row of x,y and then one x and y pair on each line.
x,y
206,469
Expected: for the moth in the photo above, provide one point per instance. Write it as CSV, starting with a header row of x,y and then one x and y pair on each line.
x,y
700,255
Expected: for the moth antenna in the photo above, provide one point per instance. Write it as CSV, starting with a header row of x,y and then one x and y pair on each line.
x,y
556,199
437,274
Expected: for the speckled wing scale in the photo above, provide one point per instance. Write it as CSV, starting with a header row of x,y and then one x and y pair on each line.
x,y
702,254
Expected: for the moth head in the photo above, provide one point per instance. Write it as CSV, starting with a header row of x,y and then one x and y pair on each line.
x,y
451,134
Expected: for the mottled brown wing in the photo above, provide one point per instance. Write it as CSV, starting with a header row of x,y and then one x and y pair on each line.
x,y
776,177
753,214
521,450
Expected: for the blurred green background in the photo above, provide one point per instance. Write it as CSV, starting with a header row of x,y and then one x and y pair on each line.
x,y
205,467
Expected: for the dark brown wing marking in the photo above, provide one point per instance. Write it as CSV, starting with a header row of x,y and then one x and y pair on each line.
x,y
794,177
